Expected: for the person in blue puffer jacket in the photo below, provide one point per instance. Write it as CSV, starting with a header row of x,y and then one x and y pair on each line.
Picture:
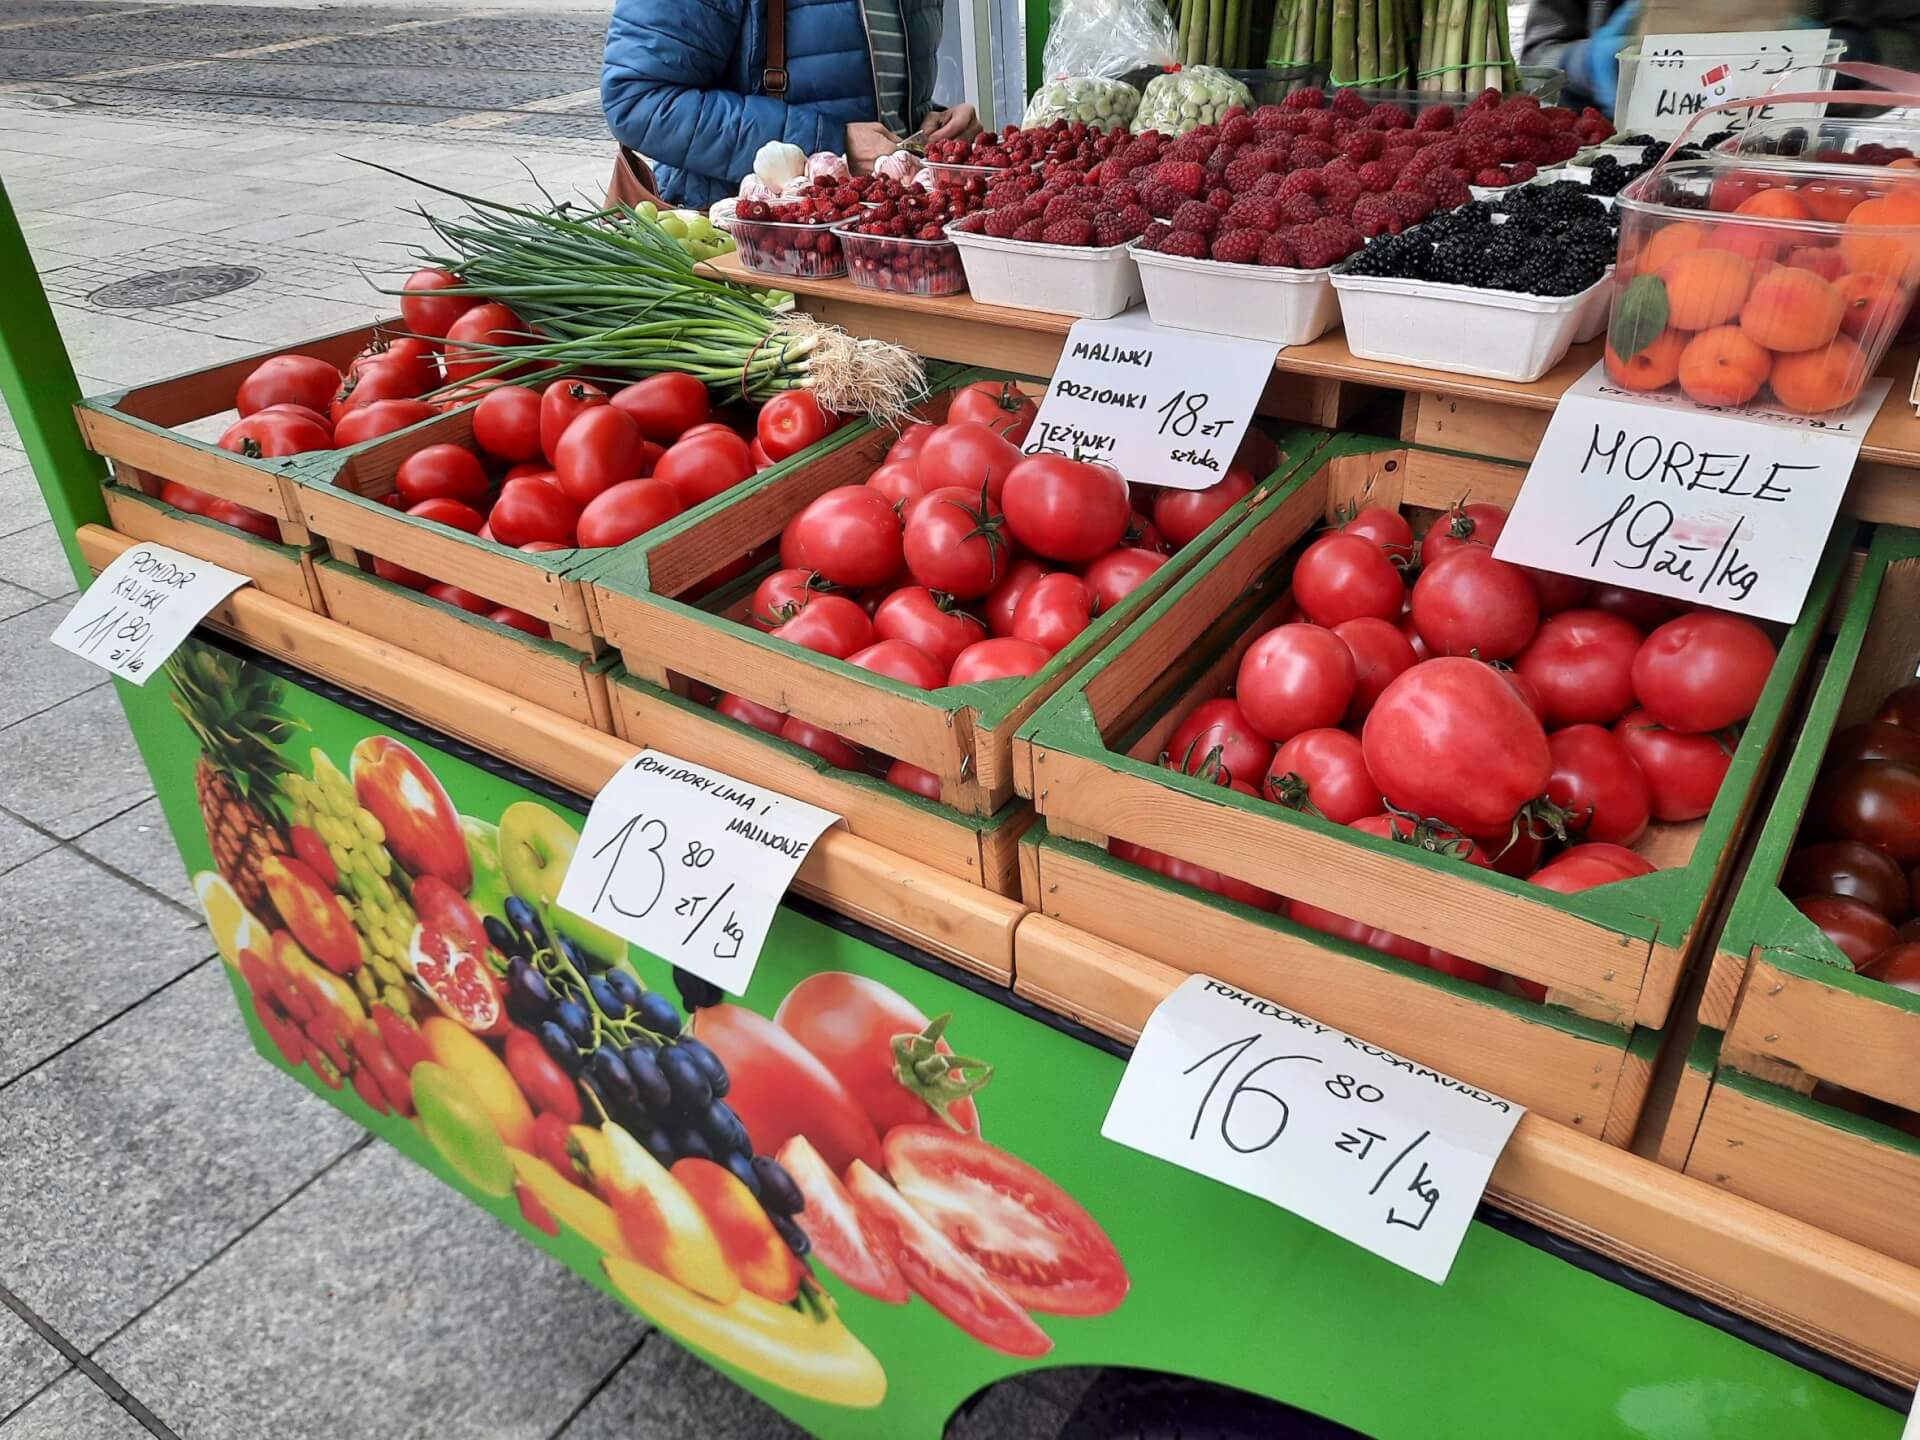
x,y
685,83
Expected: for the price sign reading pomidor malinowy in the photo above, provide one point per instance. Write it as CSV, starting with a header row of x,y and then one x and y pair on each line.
x,y
689,863
1163,407
1362,1142
1729,507
139,609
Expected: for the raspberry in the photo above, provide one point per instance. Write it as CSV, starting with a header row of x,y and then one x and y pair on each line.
x,y
1032,208
1267,187
1245,172
1388,117
1405,141
1002,223
1320,124
1267,118
1524,170
1480,122
1186,176
1448,188
1110,229
1342,190
1190,243
1487,99
1308,153
1478,153
1135,217
1559,118
1533,148
1250,212
1195,216
1349,104
1302,182
1363,145
1376,175
1155,233
1294,122
1434,117
1274,250
1195,145
1073,230
1412,206
1564,146
1309,98
1065,207
1525,120
1237,129
1220,197
1143,150
1324,243
1118,193
1030,230
1493,176
1238,247
1300,210
1372,216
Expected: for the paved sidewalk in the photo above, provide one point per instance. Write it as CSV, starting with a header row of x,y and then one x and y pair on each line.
x,y
193,1246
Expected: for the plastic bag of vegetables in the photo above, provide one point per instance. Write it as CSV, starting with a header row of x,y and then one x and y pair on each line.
x,y
1106,39
1090,98
1181,100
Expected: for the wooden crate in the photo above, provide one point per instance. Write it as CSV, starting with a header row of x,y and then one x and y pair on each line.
x,y
280,570
1089,762
983,850
963,734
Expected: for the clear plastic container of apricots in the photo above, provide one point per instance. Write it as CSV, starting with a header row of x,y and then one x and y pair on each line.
x,y
1776,283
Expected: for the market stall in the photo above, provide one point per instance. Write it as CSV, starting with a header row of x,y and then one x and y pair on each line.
x,y
1081,733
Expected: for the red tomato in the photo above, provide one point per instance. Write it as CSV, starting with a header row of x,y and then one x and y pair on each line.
x,y
1683,771
912,440
1599,784
924,620
304,412
1703,671
1216,740
1385,527
1556,592
1643,611
1469,603
851,1025
1875,801
1067,510
399,575
1180,515
1118,573
1380,652
781,596
905,775
1451,740
789,423
841,1239
1328,923
822,742
622,511
828,625
850,535
900,482
705,465
468,394
532,509
1323,772
997,659
563,402
665,406
489,323
953,544
1040,1247
445,510
779,1090
1295,677
449,471
1424,835
385,381
751,712
1343,577
506,422
967,456
1004,598
1851,868
897,659
599,448
1141,535
185,497
1860,931
1580,664
1054,609
1461,526
243,517
1901,708
271,434
1584,866
426,310
941,1274
996,404
464,599
289,379
1200,877
377,418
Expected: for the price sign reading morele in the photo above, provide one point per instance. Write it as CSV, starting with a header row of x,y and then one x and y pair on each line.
x,y
689,863
1163,407
139,609
1360,1141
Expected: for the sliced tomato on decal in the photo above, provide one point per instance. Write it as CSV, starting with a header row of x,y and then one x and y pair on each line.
x,y
832,1222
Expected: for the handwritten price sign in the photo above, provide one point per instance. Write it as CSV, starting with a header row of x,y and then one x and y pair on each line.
x,y
139,609
690,864
1360,1141
1164,407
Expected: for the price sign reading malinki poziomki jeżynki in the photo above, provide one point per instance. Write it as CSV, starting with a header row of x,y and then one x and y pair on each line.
x,y
1362,1142
689,863
1163,407
1729,507
139,609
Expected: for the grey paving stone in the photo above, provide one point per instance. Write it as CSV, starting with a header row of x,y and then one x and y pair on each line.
x,y
376,1302
94,944
21,505
41,674
19,843
140,844
667,1390
75,1409
28,1364
35,560
14,600
141,1152
75,766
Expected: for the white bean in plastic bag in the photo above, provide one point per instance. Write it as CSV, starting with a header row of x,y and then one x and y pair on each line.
x,y
1091,99
1183,100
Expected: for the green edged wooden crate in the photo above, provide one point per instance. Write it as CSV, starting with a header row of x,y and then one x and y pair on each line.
x,y
282,570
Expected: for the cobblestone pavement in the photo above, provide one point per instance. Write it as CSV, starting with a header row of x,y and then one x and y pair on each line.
x,y
190,1245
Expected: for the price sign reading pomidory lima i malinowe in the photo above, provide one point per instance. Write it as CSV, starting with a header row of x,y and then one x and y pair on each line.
x,y
689,863
1163,407
139,609
1729,507
1363,1142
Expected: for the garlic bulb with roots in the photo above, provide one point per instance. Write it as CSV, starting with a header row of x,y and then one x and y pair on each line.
x,y
777,162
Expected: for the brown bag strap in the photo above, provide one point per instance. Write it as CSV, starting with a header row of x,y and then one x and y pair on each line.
x,y
774,79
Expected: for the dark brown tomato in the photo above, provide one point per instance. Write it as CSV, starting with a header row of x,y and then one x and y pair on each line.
x,y
1902,707
1877,801
1875,740
1849,868
1860,931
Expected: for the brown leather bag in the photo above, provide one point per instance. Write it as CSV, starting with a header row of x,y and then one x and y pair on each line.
x,y
633,184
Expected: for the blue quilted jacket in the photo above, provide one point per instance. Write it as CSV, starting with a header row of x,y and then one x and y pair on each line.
x,y
681,83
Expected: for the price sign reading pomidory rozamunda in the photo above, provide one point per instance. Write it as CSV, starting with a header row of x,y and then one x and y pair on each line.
x,y
689,863
1363,1142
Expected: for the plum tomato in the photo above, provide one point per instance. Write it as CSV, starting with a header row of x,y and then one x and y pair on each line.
x,y
783,595
377,418
1323,772
487,324
912,439
271,434
1599,784
450,472
779,1090
905,775
1580,663
445,510
1851,868
1380,652
1468,603
1052,611
290,379
1901,708
1643,611
1295,677
1463,525
1185,872
1342,577
1180,515
1001,658
1328,923
1385,527
900,482
1683,771
1451,740
822,742
828,625
953,542
1584,866
519,620
927,621
1004,598
751,712
424,306
1875,801
1858,929
850,536
561,403
506,422
598,449
665,406
790,422
1897,965
1875,740
1118,573
703,466
898,660
996,404
532,509
967,456
1072,511
622,511
1703,671
1217,740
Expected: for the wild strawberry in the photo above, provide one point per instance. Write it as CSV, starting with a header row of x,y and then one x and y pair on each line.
x,y
1275,250
1190,243
1363,145
1198,217
1310,97
1237,247
1349,104
1186,176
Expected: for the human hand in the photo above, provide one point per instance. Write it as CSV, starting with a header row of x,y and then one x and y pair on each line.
x,y
955,123
867,141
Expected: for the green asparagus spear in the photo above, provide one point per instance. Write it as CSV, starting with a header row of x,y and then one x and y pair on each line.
x,y
1280,37
1343,56
1323,32
1389,41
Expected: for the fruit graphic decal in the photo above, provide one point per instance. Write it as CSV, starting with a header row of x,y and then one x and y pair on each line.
x,y
726,1169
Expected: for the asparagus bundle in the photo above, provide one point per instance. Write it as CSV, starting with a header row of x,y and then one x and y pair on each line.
x,y
1430,45
1217,32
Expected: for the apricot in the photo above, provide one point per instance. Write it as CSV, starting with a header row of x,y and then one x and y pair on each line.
x,y
1791,310
1667,244
1823,260
1722,366
1653,368
1814,381
1869,302
1706,288
1897,255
